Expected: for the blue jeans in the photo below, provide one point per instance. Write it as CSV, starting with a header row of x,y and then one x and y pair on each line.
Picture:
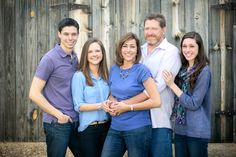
x,y
190,147
92,139
136,142
161,142
59,136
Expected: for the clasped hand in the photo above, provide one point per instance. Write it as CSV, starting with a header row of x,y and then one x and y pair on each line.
x,y
115,108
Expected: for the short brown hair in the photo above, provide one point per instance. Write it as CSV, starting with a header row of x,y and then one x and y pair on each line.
x,y
158,17
119,58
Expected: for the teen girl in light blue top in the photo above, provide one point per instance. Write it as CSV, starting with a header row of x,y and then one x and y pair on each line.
x,y
89,90
84,94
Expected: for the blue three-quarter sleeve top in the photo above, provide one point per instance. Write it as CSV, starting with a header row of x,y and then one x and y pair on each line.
x,y
84,94
198,108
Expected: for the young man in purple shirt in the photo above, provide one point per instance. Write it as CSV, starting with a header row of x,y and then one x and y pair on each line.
x,y
51,91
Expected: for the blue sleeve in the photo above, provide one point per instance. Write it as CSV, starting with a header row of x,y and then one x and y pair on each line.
x,y
77,86
110,75
144,73
194,100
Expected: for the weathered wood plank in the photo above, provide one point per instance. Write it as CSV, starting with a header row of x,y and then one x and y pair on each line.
x,y
234,80
2,75
21,69
10,69
111,33
201,20
97,18
214,56
31,42
229,95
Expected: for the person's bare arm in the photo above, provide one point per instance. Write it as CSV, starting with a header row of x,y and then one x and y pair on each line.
x,y
35,94
153,101
136,99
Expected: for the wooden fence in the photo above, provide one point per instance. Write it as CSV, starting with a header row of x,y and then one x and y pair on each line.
x,y
28,30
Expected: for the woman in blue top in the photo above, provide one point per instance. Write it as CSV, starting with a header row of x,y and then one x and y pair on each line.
x,y
89,91
131,128
192,110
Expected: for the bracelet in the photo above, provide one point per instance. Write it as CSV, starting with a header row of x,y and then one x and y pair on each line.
x,y
99,107
131,107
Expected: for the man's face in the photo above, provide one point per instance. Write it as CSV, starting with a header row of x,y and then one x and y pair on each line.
x,y
153,32
68,37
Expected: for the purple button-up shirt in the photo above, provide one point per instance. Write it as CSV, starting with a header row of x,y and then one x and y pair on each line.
x,y
57,68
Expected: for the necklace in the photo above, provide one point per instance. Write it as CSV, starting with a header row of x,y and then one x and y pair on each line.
x,y
124,73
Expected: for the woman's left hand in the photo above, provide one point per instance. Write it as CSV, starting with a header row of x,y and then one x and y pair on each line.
x,y
120,107
168,77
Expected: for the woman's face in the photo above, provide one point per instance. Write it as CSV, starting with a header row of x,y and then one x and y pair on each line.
x,y
94,54
129,50
190,50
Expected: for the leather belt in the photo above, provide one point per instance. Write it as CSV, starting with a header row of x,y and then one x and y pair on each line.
x,y
98,122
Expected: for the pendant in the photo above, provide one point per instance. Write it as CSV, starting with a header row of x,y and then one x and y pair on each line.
x,y
124,74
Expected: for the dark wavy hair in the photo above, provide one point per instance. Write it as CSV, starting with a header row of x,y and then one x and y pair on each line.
x,y
84,64
119,58
201,59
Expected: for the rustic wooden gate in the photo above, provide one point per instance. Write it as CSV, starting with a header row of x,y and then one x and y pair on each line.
x,y
222,56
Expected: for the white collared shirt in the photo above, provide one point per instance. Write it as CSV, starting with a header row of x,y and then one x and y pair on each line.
x,y
164,57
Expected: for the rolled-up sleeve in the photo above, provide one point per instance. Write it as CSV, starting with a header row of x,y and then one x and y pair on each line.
x,y
77,87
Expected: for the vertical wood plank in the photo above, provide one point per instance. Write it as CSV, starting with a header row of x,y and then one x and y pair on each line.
x,y
2,74
21,69
214,56
112,32
106,28
234,80
32,53
97,18
10,68
201,20
229,95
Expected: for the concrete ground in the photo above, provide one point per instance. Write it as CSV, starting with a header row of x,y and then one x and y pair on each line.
x,y
38,149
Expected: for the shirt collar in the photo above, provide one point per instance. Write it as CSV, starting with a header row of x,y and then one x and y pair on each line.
x,y
94,77
62,53
163,45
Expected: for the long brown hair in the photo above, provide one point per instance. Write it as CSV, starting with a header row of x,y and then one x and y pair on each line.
x,y
84,64
201,59
119,58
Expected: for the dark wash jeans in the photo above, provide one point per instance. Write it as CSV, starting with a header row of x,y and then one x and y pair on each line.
x,y
161,142
136,142
59,137
92,139
190,147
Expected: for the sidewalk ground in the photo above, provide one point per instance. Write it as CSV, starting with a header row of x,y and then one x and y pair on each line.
x,y
38,149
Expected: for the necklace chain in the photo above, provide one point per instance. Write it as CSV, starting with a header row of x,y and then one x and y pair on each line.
x,y
124,73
